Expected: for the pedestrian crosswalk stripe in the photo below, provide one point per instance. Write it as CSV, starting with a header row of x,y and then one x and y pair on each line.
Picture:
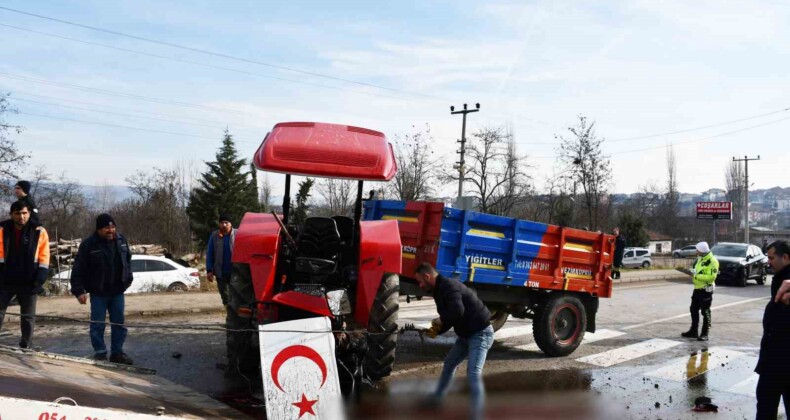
x,y
630,352
601,334
684,368
746,387
513,331
419,313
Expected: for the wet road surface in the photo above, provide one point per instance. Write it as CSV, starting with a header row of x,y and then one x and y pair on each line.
x,y
635,366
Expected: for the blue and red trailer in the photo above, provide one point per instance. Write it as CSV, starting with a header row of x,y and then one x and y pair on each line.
x,y
553,275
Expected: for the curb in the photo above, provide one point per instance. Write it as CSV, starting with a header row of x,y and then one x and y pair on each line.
x,y
678,276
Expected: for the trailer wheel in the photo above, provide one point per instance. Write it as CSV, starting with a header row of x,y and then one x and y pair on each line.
x,y
498,318
383,323
559,325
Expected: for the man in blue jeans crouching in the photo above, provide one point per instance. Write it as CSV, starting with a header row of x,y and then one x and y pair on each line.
x,y
103,270
459,308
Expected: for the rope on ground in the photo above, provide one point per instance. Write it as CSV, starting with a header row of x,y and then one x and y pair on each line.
x,y
185,327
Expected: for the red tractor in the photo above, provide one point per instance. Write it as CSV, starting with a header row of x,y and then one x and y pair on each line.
x,y
339,267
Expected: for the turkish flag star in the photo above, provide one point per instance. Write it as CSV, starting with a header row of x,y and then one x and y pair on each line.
x,y
305,406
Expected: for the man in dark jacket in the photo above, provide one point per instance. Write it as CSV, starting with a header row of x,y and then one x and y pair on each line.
x,y
773,366
24,265
459,308
619,249
218,256
22,192
102,269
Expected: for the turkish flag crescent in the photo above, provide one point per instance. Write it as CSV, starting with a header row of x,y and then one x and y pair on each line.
x,y
299,370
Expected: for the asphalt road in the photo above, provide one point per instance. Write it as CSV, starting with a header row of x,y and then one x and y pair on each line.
x,y
635,366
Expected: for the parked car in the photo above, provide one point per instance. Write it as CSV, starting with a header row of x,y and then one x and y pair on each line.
x,y
154,274
685,252
739,263
636,257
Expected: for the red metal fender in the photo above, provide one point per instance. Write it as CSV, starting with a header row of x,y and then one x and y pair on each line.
x,y
310,303
379,253
257,242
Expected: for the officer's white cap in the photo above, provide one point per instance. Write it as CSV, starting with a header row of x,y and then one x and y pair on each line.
x,y
703,247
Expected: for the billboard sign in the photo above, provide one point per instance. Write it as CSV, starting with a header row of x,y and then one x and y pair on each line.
x,y
715,210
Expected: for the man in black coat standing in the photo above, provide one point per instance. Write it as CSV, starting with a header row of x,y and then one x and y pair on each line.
x,y
773,366
102,270
619,249
22,193
459,308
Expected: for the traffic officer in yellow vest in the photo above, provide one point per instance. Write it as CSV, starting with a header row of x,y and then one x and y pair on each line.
x,y
705,271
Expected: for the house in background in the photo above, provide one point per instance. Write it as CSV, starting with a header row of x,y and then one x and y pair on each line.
x,y
659,243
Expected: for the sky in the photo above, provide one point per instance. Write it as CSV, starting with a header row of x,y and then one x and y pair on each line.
x,y
708,78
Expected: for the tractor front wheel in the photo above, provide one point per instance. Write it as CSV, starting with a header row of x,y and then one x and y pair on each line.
x,y
383,329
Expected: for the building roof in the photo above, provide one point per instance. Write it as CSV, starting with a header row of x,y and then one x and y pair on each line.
x,y
656,236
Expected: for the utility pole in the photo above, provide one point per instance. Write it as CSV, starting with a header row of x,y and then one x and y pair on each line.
x,y
463,145
746,160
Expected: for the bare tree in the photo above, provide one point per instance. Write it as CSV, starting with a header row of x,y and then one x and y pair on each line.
x,y
10,156
338,195
734,178
496,172
63,207
104,197
40,175
266,191
582,156
667,215
418,166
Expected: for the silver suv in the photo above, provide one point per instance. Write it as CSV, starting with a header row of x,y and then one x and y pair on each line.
x,y
636,257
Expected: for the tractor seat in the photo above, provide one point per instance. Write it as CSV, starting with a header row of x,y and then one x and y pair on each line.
x,y
319,239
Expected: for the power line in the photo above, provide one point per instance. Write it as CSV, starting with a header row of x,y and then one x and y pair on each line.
x,y
127,95
118,113
178,118
214,53
180,60
704,138
700,128
129,128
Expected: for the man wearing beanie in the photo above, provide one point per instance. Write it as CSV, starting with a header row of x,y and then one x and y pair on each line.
x,y
705,271
102,270
22,192
218,255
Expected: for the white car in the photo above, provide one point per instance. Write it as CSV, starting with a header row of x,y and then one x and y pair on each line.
x,y
154,274
636,257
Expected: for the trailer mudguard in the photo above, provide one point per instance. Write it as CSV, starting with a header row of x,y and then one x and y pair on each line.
x,y
379,253
257,242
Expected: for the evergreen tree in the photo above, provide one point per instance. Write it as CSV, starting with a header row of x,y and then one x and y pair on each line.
x,y
224,188
633,228
300,212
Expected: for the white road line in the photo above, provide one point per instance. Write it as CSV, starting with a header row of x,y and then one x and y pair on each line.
x,y
633,351
511,332
747,386
419,313
601,334
647,285
740,302
684,368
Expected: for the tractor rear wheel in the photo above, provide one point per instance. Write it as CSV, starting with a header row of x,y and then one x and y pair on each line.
x,y
559,325
383,329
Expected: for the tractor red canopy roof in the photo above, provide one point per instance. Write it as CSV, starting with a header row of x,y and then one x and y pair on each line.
x,y
327,150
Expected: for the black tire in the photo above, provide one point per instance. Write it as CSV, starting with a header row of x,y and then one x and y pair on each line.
x,y
498,318
763,276
177,287
241,346
676,255
559,325
741,278
383,324
646,264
